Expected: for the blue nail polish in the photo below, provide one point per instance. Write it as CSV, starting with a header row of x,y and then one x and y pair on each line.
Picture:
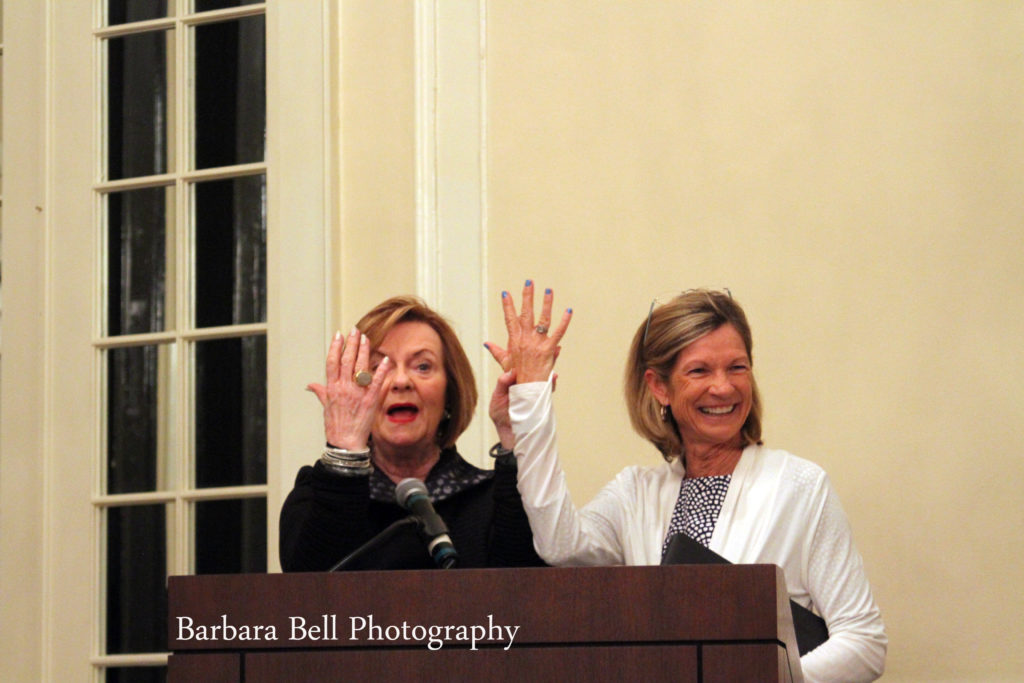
x,y
504,294
486,346
570,311
529,283
547,291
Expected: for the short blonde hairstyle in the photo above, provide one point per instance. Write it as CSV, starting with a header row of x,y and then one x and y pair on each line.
x,y
460,392
659,340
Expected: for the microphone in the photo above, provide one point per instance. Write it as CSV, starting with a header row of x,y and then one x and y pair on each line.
x,y
412,495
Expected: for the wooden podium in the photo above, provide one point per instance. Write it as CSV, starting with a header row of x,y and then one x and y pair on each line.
x,y
705,623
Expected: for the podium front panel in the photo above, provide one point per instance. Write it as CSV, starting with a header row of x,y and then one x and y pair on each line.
x,y
645,619
654,663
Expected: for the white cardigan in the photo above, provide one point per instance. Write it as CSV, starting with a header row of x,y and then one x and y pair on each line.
x,y
780,509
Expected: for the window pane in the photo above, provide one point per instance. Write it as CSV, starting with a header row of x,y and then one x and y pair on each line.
x,y
207,5
231,412
231,536
230,95
140,397
124,11
137,579
137,674
231,254
140,261
139,79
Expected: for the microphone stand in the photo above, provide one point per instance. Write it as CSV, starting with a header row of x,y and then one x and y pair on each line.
x,y
374,542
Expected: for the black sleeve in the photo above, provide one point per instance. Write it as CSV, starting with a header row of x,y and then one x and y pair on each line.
x,y
325,517
511,542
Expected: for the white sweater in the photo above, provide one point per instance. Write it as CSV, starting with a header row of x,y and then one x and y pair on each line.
x,y
780,509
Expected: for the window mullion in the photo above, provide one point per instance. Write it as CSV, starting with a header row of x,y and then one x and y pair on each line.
x,y
183,245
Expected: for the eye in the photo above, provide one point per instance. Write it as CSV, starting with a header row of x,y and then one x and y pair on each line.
x,y
424,367
740,367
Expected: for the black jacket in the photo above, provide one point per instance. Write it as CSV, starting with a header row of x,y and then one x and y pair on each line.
x,y
326,516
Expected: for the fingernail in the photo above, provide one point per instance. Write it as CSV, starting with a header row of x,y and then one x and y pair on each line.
x,y
529,283
487,346
504,294
569,310
337,335
547,291
362,338
355,330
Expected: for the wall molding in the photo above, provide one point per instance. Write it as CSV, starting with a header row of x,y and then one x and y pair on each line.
x,y
451,217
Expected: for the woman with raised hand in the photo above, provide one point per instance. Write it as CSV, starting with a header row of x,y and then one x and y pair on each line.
x,y
399,391
690,391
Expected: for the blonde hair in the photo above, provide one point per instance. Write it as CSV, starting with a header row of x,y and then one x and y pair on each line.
x,y
659,340
460,392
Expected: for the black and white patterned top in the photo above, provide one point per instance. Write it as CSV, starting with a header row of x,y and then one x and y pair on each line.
x,y
450,475
696,512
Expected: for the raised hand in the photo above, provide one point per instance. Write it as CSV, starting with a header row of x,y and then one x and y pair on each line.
x,y
350,404
532,346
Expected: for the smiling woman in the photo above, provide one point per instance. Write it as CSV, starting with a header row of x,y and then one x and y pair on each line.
x,y
398,393
708,395
690,391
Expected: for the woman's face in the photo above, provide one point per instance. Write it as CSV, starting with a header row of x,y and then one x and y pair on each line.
x,y
413,391
710,389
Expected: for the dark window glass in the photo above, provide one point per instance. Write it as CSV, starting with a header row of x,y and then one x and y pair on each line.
x,y
207,5
136,674
140,253
230,93
137,102
124,11
231,251
231,536
136,579
231,412
138,388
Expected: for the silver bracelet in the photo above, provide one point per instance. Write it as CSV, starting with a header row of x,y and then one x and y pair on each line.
x,y
498,451
346,462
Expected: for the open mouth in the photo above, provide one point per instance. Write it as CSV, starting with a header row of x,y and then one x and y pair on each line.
x,y
402,412
718,410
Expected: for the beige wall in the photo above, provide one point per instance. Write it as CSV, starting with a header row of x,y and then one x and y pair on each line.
x,y
22,397
851,170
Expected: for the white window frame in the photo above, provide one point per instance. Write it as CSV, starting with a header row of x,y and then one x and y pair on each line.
x,y
49,623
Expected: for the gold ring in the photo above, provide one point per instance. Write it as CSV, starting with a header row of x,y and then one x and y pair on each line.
x,y
363,378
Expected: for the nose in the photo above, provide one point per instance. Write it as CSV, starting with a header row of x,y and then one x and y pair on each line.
x,y
721,384
399,378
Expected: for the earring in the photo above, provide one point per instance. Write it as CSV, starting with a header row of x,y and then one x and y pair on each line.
x,y
446,417
664,413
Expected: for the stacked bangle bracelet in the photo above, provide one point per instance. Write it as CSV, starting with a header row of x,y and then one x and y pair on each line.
x,y
349,463
499,451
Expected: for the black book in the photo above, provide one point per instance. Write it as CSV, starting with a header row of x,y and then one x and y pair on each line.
x,y
811,630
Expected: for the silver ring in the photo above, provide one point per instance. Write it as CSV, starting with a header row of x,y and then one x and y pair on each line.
x,y
542,329
363,378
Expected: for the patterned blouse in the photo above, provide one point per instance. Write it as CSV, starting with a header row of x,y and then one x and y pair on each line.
x,y
696,512
450,475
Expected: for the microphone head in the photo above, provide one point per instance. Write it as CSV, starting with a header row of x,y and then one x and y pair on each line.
x,y
407,488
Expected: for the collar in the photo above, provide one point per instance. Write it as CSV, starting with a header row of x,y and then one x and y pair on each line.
x,y
449,475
